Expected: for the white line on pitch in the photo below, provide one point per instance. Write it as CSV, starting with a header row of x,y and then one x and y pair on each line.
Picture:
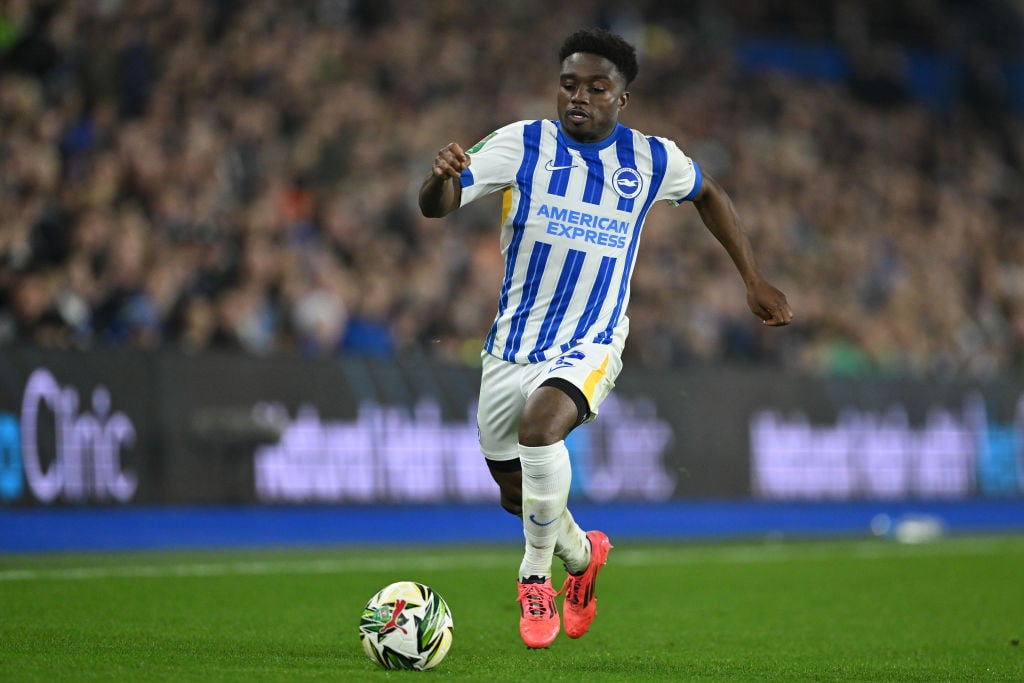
x,y
492,559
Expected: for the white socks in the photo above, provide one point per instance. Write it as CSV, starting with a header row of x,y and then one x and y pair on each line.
x,y
548,526
572,547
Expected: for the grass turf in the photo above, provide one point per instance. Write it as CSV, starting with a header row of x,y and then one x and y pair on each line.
x,y
864,610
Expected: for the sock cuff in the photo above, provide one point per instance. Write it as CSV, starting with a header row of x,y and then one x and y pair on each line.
x,y
538,455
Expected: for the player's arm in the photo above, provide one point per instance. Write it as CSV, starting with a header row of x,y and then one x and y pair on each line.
x,y
441,192
719,215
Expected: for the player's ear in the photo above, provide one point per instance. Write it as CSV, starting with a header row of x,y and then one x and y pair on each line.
x,y
623,99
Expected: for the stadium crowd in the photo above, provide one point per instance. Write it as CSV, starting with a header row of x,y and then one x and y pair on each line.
x,y
219,174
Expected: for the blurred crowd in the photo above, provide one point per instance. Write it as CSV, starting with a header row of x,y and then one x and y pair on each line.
x,y
229,174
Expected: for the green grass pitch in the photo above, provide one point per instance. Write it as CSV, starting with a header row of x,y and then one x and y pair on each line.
x,y
851,610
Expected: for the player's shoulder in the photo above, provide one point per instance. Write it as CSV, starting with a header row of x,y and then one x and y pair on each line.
x,y
510,133
669,144
639,135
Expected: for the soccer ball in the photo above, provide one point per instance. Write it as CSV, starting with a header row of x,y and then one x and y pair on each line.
x,y
406,625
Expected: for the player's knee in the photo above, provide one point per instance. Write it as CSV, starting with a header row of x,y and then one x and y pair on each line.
x,y
535,435
512,499
510,486
512,506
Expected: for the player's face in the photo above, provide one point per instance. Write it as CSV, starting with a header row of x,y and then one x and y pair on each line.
x,y
591,93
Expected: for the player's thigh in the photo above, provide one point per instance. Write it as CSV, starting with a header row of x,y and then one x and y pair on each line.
x,y
591,368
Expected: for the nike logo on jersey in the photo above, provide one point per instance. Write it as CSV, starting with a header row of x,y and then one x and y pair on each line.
x,y
550,166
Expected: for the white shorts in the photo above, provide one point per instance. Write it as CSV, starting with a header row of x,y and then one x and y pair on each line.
x,y
504,388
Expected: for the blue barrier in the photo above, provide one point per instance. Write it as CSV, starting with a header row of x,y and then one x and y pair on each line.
x,y
90,529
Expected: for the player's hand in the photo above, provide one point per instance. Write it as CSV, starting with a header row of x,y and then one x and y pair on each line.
x,y
451,161
769,304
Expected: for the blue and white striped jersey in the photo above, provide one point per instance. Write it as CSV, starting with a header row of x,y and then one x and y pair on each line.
x,y
571,219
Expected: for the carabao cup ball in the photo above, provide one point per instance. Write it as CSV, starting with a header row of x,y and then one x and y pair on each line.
x,y
406,625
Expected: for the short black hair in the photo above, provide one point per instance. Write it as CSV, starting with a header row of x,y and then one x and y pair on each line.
x,y
611,46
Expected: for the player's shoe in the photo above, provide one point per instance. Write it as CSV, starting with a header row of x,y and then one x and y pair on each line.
x,y
580,604
538,619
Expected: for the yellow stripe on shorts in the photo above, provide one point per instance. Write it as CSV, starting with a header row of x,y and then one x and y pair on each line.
x,y
593,378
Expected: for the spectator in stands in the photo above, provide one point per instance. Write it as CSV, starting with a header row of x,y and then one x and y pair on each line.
x,y
194,131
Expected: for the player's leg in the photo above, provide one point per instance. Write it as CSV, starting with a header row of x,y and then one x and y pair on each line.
x,y
546,474
586,374
551,413
508,475
502,400
548,416
571,544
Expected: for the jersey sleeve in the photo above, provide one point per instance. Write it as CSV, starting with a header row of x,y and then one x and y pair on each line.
x,y
493,163
683,178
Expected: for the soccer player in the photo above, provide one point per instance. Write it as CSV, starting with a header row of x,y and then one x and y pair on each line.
x,y
575,193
